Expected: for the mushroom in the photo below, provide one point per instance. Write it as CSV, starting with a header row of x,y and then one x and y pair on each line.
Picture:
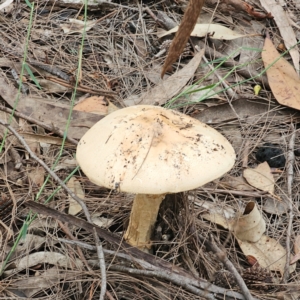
x,y
151,151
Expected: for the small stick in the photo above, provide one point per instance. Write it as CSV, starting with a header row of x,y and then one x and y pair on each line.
x,y
246,154
102,265
289,201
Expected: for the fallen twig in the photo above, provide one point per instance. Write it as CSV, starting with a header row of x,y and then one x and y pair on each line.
x,y
289,201
102,264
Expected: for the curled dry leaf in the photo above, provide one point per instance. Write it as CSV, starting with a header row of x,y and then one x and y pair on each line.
x,y
25,127
268,252
214,31
283,79
261,177
251,225
75,186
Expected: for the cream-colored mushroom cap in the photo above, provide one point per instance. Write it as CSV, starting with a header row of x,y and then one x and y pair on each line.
x,y
151,150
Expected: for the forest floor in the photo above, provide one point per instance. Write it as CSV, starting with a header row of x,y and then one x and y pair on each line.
x,y
73,73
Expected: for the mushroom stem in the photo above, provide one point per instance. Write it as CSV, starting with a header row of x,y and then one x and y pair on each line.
x,y
142,220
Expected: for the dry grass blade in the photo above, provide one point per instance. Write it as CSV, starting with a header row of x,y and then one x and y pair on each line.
x,y
187,25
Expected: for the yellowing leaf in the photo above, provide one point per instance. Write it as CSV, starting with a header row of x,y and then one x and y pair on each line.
x,y
214,31
96,105
251,225
283,79
268,252
74,185
261,177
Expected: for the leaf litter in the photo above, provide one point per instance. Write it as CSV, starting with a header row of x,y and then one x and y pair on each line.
x,y
118,53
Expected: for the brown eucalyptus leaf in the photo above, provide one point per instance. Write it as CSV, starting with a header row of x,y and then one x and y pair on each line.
x,y
96,105
268,252
261,177
282,77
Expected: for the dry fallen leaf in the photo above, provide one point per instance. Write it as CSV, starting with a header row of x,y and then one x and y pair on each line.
x,y
44,257
284,25
283,79
75,186
77,26
101,221
214,31
261,177
96,105
32,285
67,164
7,6
169,87
236,183
268,252
223,216
37,176
251,225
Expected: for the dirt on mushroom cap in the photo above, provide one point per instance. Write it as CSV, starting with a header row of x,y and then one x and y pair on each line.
x,y
149,149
